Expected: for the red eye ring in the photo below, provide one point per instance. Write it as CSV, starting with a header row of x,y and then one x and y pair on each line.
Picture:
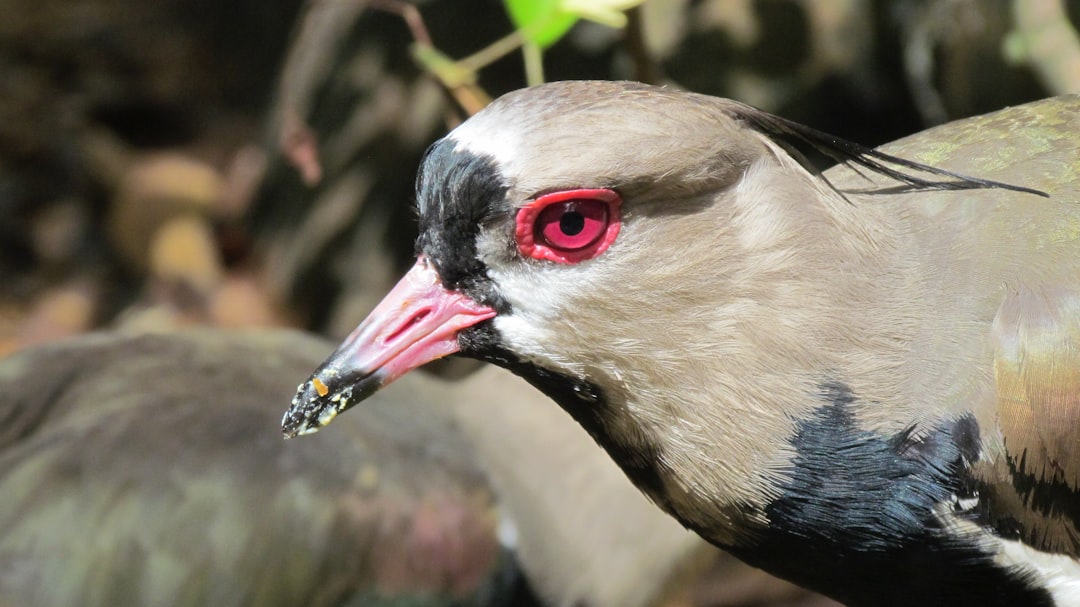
x,y
568,226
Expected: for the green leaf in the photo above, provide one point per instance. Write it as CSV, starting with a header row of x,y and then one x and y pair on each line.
x,y
542,22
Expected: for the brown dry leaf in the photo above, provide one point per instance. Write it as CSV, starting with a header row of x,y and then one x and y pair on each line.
x,y
184,252
300,146
153,191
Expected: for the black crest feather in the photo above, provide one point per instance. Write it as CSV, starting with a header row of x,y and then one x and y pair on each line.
x,y
911,176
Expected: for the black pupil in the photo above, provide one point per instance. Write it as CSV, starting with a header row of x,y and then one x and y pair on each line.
x,y
572,223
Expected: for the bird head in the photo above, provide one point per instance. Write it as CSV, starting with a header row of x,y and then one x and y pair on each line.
x,y
612,243
548,221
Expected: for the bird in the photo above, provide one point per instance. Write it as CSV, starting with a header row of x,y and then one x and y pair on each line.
x,y
144,470
864,380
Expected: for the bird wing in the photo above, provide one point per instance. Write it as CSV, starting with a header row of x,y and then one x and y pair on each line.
x,y
1017,254
1037,374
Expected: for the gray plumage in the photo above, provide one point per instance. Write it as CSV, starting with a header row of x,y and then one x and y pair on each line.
x,y
143,471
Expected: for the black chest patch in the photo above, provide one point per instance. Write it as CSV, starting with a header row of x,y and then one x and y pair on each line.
x,y
856,519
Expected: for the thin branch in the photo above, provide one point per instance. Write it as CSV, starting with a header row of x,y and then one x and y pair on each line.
x,y
492,52
645,67
409,13
459,80
534,64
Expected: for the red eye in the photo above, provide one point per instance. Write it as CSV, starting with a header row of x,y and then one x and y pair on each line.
x,y
569,226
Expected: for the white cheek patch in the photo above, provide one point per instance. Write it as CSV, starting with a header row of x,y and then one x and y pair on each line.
x,y
534,292
524,338
527,329
541,326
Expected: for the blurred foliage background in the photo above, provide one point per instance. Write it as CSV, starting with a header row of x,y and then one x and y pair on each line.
x,y
184,163
148,151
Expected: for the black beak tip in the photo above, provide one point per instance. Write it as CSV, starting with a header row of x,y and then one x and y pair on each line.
x,y
305,411
316,403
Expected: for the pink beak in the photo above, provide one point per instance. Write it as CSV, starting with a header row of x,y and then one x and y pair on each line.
x,y
416,323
